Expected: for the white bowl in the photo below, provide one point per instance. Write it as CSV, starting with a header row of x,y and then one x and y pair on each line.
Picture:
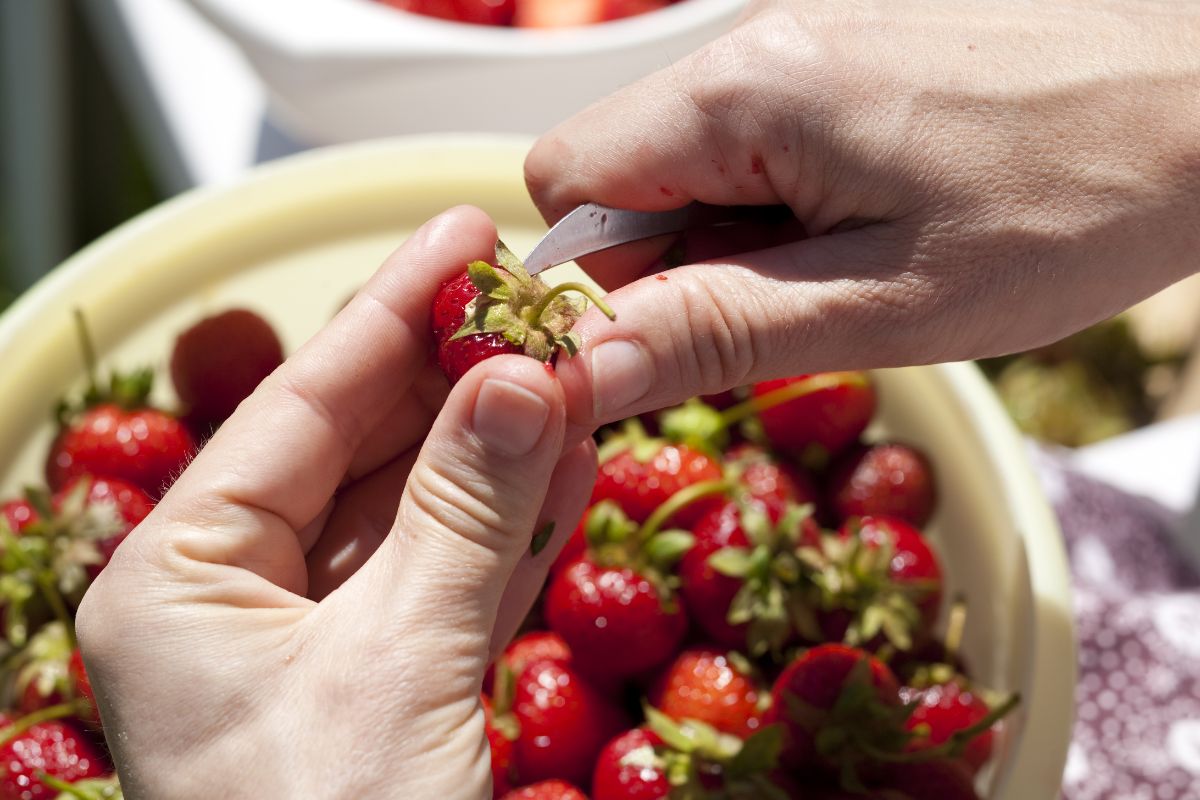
x,y
295,238
345,70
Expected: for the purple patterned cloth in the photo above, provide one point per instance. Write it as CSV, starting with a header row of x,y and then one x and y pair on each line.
x,y
1137,612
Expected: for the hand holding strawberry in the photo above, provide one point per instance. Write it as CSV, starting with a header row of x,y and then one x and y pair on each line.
x,y
349,469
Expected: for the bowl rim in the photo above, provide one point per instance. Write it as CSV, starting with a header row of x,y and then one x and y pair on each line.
x,y
346,169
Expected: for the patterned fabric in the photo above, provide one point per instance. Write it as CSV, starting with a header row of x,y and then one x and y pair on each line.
x,y
1137,612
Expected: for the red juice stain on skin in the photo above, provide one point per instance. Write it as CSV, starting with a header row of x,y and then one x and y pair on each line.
x,y
549,369
971,47
787,148
660,277
666,191
756,165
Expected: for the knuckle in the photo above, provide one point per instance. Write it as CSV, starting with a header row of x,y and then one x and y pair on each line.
x,y
458,503
722,348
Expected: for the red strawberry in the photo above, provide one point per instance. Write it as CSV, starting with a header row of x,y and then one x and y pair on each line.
x,y
627,769
615,619
500,743
889,479
78,673
218,362
51,748
835,703
942,779
941,711
19,514
144,446
738,576
814,417
527,648
130,504
879,582
564,723
770,480
492,310
477,12
704,684
641,474
546,790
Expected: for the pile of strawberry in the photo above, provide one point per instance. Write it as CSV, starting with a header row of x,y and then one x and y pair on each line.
x,y
114,456
747,610
530,13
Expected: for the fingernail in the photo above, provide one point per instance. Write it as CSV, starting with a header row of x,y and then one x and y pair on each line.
x,y
509,418
621,375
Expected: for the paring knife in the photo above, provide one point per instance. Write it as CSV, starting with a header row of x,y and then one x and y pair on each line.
x,y
591,228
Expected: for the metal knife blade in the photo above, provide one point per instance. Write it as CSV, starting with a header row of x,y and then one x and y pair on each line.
x,y
591,228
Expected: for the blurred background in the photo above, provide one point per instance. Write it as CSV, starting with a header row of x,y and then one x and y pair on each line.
x,y
111,106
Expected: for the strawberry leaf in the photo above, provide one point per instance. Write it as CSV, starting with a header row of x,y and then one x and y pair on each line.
x,y
732,562
664,549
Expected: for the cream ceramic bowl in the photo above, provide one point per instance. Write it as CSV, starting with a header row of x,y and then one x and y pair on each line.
x,y
346,70
294,240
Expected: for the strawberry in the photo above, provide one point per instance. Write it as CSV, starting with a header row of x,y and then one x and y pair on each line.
x,y
79,677
740,576
49,671
628,769
491,310
616,620
942,710
564,722
144,446
879,581
529,647
640,474
130,504
687,759
768,480
477,12
707,685
546,790
19,514
836,704
814,417
50,748
218,362
941,779
500,736
887,479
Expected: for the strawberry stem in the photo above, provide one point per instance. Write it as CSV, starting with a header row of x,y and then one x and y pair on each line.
x,y
684,497
535,313
22,724
810,385
955,627
88,349
45,582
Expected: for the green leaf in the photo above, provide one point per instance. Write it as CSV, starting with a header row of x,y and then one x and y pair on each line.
x,y
664,549
489,280
744,606
733,562
508,260
756,524
759,753
541,538
668,730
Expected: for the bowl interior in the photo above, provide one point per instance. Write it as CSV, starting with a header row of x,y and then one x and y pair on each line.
x,y
297,239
